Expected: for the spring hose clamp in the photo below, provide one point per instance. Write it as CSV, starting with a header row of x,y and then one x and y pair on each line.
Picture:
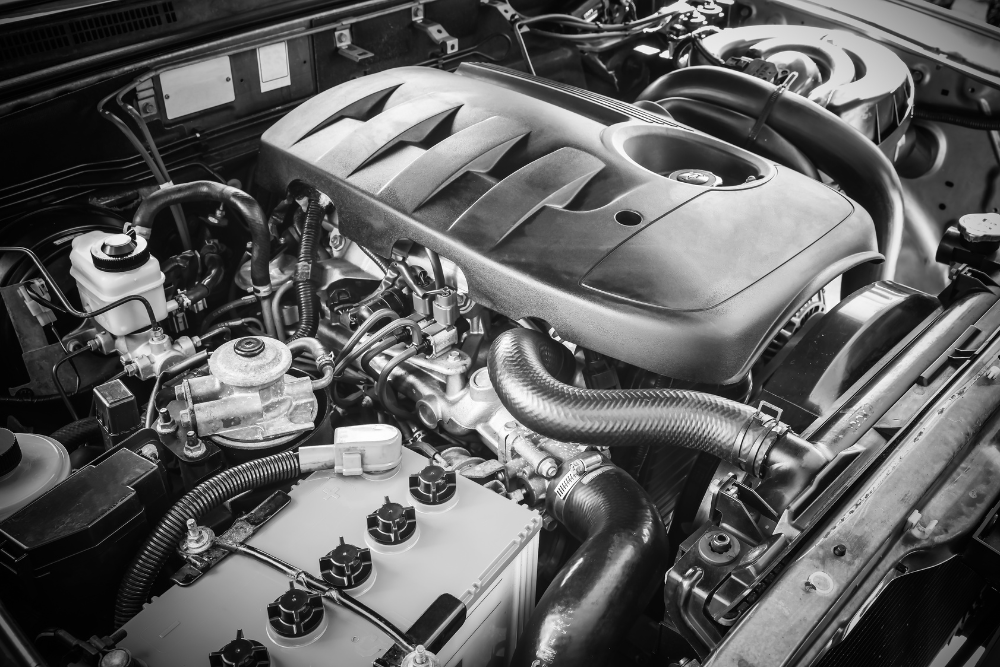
x,y
757,437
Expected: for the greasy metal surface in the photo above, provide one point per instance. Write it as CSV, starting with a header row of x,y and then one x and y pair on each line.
x,y
872,525
520,184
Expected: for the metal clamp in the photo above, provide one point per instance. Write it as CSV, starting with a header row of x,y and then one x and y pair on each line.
x,y
435,31
347,48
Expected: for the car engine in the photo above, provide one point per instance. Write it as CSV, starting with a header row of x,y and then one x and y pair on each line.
x,y
466,333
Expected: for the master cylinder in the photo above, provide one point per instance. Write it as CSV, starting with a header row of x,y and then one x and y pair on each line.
x,y
248,400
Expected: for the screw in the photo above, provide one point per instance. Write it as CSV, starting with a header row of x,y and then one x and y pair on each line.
x,y
165,416
839,550
993,372
420,655
228,78
192,527
148,108
150,452
454,355
166,97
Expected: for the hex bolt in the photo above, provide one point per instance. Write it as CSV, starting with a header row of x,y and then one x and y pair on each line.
x,y
454,355
192,527
720,543
193,447
993,372
839,550
150,452
420,655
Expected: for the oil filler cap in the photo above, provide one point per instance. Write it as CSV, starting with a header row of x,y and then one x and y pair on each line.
x,y
347,566
240,652
392,525
10,452
696,177
296,613
434,488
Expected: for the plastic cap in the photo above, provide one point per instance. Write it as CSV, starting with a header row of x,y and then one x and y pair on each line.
x,y
347,566
980,227
392,523
240,653
296,612
10,452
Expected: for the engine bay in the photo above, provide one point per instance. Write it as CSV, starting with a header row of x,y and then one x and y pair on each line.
x,y
460,333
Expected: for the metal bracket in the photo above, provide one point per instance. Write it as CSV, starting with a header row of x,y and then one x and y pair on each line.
x,y
435,31
346,47
238,533
504,8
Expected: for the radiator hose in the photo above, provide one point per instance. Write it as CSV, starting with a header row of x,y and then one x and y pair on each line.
x,y
305,286
243,205
81,432
163,541
732,431
599,593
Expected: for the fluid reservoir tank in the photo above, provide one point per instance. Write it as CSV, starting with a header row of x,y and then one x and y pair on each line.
x,y
106,268
30,465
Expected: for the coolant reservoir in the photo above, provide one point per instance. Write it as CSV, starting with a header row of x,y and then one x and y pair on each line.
x,y
108,267
30,465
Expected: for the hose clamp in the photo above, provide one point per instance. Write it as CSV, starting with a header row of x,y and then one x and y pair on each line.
x,y
263,291
575,475
756,438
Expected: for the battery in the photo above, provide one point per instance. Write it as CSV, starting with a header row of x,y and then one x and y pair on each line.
x,y
483,550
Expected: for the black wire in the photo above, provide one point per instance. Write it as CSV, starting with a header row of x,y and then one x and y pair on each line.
x,y
58,384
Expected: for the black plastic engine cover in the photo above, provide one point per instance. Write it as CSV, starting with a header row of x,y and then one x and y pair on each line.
x,y
556,204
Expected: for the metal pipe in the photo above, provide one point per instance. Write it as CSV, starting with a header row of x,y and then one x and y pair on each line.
x,y
885,387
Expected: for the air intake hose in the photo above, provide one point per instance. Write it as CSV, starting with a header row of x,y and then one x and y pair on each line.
x,y
163,541
243,205
599,593
305,286
731,431
837,149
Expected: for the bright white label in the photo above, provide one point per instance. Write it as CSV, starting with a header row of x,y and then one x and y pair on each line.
x,y
192,88
272,61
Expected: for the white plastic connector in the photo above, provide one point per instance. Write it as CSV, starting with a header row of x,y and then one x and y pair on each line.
x,y
368,448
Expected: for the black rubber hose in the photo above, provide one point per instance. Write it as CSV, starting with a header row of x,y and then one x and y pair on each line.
x,y
305,286
216,313
436,269
245,206
971,121
80,432
601,591
379,260
836,148
382,387
609,417
165,538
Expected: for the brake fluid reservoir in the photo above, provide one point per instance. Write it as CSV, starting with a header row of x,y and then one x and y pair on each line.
x,y
106,268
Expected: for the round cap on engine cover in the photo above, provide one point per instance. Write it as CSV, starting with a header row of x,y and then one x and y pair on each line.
x,y
117,253
296,612
979,228
240,652
250,362
433,485
10,452
392,523
696,177
347,566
